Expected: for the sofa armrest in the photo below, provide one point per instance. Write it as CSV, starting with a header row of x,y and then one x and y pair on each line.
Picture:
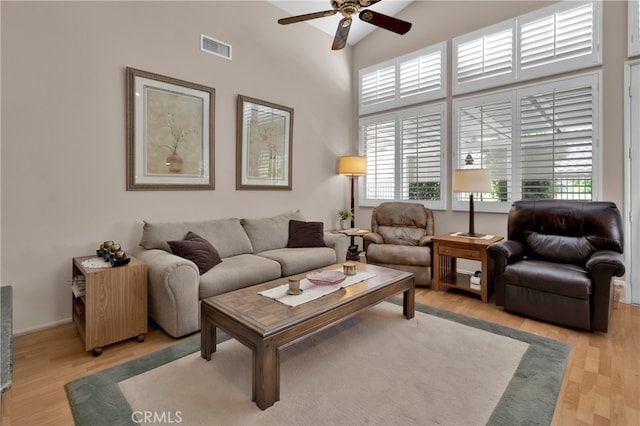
x,y
339,243
173,288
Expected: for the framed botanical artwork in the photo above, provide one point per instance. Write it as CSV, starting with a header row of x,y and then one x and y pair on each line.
x,y
264,145
170,133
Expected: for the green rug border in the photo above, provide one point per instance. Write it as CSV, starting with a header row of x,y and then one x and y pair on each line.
x,y
530,397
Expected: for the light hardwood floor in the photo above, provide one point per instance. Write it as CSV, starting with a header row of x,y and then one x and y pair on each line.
x,y
601,384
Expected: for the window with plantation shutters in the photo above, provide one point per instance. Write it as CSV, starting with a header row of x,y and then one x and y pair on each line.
x,y
562,37
484,59
554,41
404,153
484,131
557,141
378,86
538,142
406,80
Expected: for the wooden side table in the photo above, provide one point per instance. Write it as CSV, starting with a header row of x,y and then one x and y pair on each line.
x,y
114,304
352,234
447,248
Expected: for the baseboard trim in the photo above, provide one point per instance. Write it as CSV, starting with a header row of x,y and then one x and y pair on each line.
x,y
41,327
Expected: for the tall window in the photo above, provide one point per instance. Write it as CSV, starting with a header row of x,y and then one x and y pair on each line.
x,y
405,153
539,141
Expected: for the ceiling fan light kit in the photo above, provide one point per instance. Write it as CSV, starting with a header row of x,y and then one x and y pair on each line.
x,y
349,8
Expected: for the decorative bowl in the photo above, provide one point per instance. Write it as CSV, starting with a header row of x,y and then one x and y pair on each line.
x,y
326,277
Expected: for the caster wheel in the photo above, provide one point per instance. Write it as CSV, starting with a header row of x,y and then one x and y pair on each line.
x,y
97,352
141,338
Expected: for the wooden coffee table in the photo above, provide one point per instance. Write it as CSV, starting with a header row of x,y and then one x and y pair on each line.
x,y
266,325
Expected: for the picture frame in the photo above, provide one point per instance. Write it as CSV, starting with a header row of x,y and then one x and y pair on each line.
x,y
264,145
170,133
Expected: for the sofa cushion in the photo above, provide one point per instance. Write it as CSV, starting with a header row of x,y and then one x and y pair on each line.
x,y
558,248
238,272
305,234
227,235
296,260
196,249
271,232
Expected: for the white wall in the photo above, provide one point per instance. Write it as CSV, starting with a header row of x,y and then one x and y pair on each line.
x,y
436,21
63,127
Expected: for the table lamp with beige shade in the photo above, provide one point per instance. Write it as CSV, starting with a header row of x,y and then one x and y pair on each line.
x,y
471,180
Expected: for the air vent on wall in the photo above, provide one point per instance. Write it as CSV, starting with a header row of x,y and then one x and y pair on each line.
x,y
215,47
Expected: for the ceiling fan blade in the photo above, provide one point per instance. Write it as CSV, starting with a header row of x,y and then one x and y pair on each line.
x,y
367,3
383,21
340,40
306,17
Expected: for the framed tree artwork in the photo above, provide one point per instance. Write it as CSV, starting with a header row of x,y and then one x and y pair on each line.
x,y
170,133
264,145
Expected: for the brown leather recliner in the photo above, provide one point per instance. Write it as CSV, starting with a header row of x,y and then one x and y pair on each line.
x,y
401,239
558,262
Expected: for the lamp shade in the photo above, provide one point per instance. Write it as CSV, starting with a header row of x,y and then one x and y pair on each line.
x,y
352,165
471,180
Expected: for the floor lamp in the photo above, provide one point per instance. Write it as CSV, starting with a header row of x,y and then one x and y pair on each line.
x,y
352,165
471,180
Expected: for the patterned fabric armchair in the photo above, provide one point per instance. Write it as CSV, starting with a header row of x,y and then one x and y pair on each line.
x,y
401,239
558,262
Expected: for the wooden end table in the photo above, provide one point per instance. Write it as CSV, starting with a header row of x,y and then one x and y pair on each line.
x,y
447,248
114,306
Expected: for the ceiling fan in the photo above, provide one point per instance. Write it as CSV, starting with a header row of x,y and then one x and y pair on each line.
x,y
348,8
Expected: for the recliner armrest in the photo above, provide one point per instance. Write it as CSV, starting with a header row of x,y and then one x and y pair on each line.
x,y
607,262
602,266
511,250
373,237
503,253
426,241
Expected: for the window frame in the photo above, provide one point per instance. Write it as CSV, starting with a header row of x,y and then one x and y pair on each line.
x,y
633,28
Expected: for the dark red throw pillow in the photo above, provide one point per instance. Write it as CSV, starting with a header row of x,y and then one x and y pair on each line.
x,y
198,250
305,234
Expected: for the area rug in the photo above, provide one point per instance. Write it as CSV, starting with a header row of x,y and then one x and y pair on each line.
x,y
376,368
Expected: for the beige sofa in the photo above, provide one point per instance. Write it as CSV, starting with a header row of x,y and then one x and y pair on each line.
x,y
252,251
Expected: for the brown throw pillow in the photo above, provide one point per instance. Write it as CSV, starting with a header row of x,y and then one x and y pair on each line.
x,y
305,234
198,250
